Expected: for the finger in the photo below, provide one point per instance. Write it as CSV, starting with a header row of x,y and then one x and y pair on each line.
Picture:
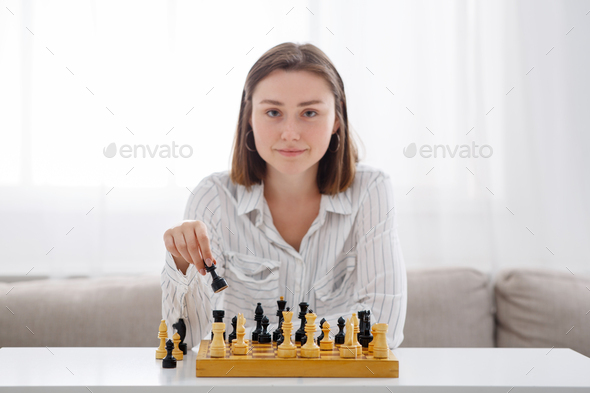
x,y
169,244
181,247
193,249
204,245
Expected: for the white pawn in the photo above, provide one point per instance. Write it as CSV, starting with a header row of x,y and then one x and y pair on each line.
x,y
326,344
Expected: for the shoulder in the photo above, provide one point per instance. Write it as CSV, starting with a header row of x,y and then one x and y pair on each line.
x,y
204,197
368,177
216,182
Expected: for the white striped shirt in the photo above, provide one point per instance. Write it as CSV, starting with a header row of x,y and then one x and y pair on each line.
x,y
350,259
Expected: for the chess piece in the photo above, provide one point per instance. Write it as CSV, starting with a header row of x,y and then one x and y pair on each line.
x,y
357,345
339,338
321,336
365,336
181,329
348,350
310,349
218,284
282,333
217,346
304,337
176,352
232,335
326,344
380,348
239,346
281,307
264,337
301,331
287,349
218,317
162,335
169,361
258,315
372,343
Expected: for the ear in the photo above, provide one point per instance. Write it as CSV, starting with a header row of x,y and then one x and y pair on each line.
x,y
336,125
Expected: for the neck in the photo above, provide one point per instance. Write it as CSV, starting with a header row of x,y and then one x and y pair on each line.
x,y
291,188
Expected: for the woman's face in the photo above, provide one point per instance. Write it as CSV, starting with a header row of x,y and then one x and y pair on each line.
x,y
293,111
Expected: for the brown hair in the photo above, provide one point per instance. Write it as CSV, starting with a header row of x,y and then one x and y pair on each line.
x,y
336,169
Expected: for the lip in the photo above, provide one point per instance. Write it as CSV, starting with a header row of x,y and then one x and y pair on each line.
x,y
291,153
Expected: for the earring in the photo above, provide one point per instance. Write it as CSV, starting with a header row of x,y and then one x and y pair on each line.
x,y
337,147
248,147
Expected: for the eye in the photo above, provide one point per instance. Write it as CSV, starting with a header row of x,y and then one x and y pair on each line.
x,y
272,110
312,112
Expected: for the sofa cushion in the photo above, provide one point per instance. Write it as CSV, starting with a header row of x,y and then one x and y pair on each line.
x,y
538,308
90,312
449,307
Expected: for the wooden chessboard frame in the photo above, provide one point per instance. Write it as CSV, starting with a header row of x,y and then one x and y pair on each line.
x,y
262,361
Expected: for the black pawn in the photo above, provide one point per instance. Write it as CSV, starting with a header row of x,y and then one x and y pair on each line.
x,y
281,305
300,333
218,284
169,361
218,317
181,329
321,336
339,338
232,335
258,314
264,336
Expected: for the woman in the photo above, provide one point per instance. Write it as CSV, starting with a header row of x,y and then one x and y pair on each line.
x,y
296,216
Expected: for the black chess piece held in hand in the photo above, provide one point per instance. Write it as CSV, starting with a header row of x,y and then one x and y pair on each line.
x,y
218,284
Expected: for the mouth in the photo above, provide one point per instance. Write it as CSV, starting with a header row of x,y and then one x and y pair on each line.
x,y
291,153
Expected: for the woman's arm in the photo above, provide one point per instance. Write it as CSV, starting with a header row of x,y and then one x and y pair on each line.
x,y
189,295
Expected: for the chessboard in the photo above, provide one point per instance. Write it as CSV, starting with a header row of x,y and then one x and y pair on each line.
x,y
262,361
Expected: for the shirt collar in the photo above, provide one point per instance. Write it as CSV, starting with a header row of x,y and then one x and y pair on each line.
x,y
248,201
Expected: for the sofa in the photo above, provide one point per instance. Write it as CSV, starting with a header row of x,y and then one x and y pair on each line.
x,y
447,307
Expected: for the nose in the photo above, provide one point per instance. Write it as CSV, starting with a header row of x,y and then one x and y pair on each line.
x,y
290,130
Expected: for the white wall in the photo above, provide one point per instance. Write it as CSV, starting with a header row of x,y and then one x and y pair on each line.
x,y
77,76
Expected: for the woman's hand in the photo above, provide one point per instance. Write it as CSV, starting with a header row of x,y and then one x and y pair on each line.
x,y
189,244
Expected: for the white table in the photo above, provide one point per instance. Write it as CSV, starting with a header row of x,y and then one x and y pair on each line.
x,y
421,370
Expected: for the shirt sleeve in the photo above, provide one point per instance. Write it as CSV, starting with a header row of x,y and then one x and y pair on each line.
x,y
378,282
189,296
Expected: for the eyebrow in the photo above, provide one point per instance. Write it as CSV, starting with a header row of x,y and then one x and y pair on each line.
x,y
278,103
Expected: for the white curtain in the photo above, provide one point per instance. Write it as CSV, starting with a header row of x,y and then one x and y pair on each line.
x,y
509,77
